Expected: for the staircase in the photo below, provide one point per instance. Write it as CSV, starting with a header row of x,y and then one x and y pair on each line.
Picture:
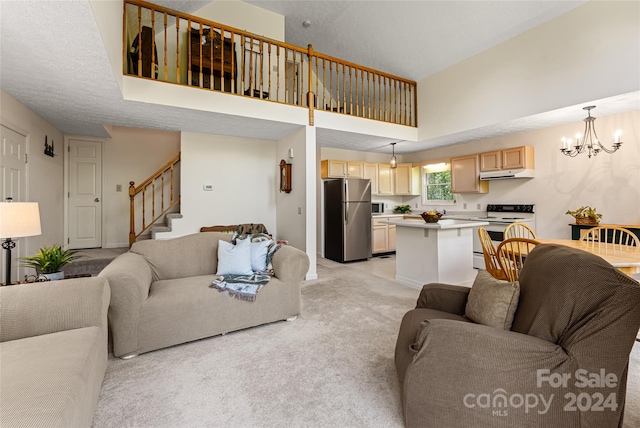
x,y
154,200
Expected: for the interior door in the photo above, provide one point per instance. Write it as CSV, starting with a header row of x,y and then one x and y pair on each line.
x,y
85,194
13,184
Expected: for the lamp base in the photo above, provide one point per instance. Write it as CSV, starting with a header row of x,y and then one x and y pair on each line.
x,y
8,245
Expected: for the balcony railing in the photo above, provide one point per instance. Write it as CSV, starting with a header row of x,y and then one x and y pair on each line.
x,y
170,46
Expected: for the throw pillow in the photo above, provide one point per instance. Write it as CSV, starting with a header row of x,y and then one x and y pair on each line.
x,y
492,302
259,255
234,259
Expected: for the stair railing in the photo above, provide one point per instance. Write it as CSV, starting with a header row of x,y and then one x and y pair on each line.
x,y
150,207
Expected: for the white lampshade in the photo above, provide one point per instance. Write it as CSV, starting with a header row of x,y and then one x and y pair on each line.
x,y
19,219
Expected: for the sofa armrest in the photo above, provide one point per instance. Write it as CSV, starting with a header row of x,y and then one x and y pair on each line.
x,y
443,297
35,309
130,277
290,264
457,363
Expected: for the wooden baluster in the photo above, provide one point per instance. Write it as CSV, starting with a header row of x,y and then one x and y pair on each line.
x,y
189,54
384,97
153,199
144,216
178,49
404,86
171,184
395,92
222,76
153,44
375,94
355,93
233,63
200,71
251,68
286,75
162,192
331,96
351,90
242,42
139,47
344,90
324,82
166,64
362,90
212,57
269,69
317,87
278,73
261,68
132,211
369,95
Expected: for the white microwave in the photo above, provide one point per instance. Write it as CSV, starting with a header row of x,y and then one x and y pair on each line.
x,y
377,207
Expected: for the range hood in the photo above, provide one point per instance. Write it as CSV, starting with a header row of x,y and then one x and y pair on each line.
x,y
507,173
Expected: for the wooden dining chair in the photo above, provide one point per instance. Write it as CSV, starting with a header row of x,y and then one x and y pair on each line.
x,y
512,253
490,257
616,235
519,230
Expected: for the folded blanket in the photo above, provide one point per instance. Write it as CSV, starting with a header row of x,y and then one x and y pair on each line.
x,y
244,287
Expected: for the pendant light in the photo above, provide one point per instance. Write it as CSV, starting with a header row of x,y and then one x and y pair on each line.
x,y
394,161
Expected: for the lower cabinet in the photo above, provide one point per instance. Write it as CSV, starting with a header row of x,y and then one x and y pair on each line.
x,y
383,236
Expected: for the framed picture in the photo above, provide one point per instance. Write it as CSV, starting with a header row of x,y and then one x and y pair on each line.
x,y
285,176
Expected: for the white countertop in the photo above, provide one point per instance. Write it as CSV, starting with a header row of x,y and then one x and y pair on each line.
x,y
442,224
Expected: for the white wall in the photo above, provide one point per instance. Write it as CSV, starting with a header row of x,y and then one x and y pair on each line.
x,y
586,54
131,154
44,173
108,16
244,16
243,173
611,183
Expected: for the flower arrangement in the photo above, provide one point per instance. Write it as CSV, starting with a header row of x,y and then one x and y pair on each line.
x,y
585,215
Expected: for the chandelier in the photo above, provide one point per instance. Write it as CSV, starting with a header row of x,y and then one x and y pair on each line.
x,y
589,141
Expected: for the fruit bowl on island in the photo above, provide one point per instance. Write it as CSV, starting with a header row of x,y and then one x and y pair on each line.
x,y
431,216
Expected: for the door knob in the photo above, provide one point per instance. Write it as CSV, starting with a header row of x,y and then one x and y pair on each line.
x,y
96,200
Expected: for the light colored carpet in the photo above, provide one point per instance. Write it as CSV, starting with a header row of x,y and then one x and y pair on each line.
x,y
332,367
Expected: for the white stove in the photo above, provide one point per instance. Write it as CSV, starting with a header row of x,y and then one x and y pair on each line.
x,y
499,216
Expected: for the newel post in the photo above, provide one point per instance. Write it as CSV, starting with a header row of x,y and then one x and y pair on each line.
x,y
132,230
310,95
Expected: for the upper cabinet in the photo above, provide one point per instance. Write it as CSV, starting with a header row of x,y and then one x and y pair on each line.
x,y
385,179
402,179
512,158
370,171
341,169
465,175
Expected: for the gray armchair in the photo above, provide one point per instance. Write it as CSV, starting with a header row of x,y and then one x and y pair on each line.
x,y
563,363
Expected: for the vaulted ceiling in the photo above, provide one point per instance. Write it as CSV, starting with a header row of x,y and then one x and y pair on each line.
x,y
52,59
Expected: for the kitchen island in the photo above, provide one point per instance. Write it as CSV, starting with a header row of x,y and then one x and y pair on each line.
x,y
435,252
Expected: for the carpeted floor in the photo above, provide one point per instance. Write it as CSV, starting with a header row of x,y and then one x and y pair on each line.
x,y
332,367
92,261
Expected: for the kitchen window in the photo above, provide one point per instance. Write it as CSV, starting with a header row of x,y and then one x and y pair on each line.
x,y
436,184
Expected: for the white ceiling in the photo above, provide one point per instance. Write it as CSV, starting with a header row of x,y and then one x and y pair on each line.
x,y
52,59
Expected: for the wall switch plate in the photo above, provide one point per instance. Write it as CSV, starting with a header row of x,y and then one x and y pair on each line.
x,y
299,210
118,187
478,206
208,187
464,206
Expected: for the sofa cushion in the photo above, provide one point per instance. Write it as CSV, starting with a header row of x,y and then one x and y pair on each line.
x,y
234,259
492,302
52,379
200,249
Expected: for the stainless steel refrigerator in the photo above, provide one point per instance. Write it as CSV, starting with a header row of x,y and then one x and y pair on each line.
x,y
347,219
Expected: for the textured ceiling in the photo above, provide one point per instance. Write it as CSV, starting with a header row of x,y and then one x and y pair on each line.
x,y
52,59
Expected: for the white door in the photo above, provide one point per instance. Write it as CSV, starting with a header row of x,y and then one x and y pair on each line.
x,y
85,194
13,184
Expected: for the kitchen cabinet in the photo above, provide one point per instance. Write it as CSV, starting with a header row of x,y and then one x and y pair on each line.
x,y
383,236
465,175
385,179
370,171
341,169
406,179
512,158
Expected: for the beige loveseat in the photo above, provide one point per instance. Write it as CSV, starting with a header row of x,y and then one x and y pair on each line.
x,y
161,295
53,352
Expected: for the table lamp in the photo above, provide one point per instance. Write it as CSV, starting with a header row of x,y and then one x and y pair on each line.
x,y
17,220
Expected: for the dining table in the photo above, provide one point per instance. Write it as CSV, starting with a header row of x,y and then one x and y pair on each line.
x,y
624,257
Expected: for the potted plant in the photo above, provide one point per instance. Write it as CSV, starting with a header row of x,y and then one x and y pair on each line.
x,y
402,209
585,215
50,260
